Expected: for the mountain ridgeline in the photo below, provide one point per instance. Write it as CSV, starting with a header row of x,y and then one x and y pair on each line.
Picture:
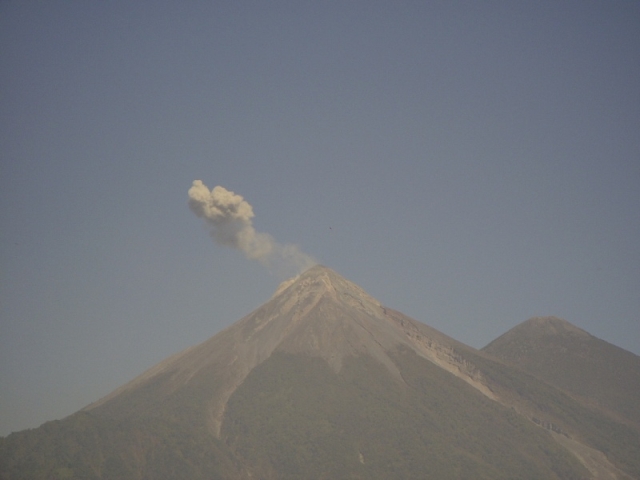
x,y
322,381
569,358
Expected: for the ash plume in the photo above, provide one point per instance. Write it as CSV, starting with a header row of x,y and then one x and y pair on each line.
x,y
230,220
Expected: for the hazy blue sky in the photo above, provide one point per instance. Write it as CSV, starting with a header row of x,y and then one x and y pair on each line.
x,y
471,164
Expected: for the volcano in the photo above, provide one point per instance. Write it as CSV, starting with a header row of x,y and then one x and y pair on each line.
x,y
322,381
571,359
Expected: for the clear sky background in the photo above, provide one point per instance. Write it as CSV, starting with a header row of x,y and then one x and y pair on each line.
x,y
471,164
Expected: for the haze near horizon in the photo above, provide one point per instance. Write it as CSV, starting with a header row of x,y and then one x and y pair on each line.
x,y
471,165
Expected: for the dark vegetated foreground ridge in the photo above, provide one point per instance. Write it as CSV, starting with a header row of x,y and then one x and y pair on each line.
x,y
324,382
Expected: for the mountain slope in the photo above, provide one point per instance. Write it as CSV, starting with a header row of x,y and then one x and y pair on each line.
x,y
569,358
324,382
320,314
295,418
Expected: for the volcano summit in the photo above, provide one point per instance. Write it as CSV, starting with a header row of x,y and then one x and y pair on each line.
x,y
322,381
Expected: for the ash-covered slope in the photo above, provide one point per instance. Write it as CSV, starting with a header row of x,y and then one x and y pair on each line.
x,y
320,314
569,358
324,382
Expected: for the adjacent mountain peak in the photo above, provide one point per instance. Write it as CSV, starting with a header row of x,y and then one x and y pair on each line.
x,y
579,363
551,325
537,328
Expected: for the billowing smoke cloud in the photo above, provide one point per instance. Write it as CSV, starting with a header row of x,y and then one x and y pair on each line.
x,y
229,217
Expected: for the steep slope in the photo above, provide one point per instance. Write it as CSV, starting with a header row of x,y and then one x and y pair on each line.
x,y
324,382
320,314
295,418
569,358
